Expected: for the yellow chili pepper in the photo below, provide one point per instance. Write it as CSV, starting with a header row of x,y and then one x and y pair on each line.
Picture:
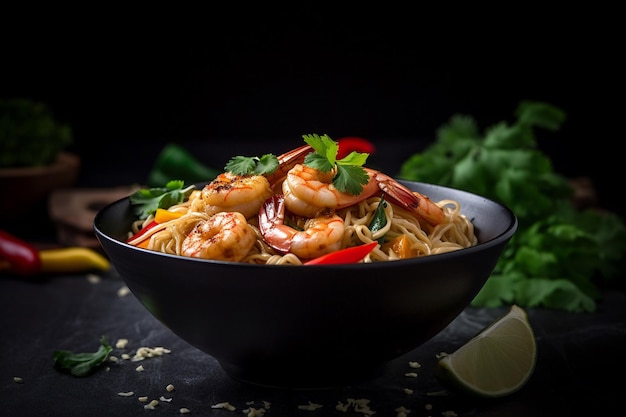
x,y
72,259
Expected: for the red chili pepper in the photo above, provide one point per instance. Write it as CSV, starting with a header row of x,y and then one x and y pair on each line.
x,y
353,143
143,231
23,258
345,256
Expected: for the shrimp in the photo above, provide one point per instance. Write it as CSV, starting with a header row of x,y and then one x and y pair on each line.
x,y
322,234
224,236
307,190
230,192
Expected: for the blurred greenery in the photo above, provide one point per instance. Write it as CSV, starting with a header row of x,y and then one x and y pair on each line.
x,y
30,136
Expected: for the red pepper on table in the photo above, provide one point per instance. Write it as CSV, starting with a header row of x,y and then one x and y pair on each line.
x,y
23,258
345,256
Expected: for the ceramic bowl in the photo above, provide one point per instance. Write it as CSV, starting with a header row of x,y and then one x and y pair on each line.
x,y
309,326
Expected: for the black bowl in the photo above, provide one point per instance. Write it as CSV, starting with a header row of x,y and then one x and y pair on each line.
x,y
309,326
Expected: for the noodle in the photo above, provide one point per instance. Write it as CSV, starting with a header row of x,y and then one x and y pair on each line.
x,y
403,229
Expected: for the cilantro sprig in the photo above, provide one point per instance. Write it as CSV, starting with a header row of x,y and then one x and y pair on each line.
x,y
557,252
84,363
252,165
350,176
147,200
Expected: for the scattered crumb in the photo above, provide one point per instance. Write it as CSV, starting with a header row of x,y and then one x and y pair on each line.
x,y
126,394
143,399
408,391
140,368
359,406
170,388
411,374
448,413
414,365
162,398
151,405
254,412
184,410
148,352
428,407
123,291
93,278
310,406
226,405
18,380
113,358
121,343
402,411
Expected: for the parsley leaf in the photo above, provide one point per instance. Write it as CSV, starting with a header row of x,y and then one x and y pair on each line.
x,y
81,364
557,251
147,200
350,176
252,165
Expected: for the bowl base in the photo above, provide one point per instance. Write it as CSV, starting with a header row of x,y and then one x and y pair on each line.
x,y
305,377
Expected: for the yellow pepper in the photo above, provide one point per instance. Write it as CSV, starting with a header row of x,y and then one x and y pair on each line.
x,y
163,215
72,259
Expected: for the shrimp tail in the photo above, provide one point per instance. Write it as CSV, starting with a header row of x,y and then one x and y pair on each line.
x,y
413,201
271,218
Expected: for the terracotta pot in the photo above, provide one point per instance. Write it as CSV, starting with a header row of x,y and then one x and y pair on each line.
x,y
24,191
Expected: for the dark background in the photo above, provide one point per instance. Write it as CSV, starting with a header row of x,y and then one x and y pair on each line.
x,y
210,80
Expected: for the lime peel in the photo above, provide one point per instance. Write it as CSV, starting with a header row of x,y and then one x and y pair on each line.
x,y
498,361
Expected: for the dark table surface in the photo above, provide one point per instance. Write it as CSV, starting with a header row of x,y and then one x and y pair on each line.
x,y
578,369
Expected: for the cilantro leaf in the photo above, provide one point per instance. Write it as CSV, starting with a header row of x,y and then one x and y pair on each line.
x,y
350,176
252,165
350,179
81,364
557,252
147,200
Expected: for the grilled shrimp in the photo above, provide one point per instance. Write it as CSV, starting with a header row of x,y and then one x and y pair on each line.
x,y
322,234
308,190
224,236
230,192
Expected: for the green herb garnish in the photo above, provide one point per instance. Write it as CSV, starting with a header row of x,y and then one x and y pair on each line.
x,y
148,200
252,165
82,364
557,252
350,176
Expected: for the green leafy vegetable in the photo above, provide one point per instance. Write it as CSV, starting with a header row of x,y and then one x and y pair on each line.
x,y
379,220
558,252
29,134
147,200
252,165
350,176
81,364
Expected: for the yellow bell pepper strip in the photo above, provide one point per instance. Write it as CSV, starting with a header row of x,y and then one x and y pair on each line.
x,y
401,245
21,258
344,256
162,215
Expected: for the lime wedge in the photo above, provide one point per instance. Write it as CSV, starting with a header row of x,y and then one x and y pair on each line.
x,y
497,361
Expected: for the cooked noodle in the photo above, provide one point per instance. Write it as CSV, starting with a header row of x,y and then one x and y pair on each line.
x,y
454,233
